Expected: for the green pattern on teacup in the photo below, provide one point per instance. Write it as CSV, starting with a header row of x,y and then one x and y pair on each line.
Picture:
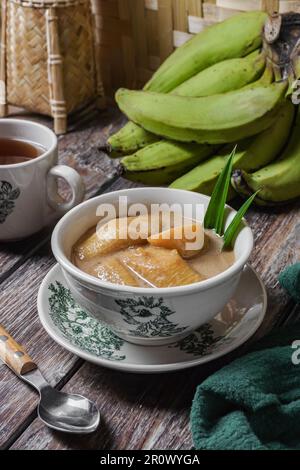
x,y
8,195
80,328
149,316
199,342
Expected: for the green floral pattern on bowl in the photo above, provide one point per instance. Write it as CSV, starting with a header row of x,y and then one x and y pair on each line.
x,y
199,342
84,331
80,328
149,316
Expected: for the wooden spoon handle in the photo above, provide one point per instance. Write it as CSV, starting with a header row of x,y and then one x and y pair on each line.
x,y
14,355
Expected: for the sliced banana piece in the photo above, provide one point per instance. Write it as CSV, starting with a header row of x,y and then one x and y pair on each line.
x,y
109,238
112,270
187,239
159,267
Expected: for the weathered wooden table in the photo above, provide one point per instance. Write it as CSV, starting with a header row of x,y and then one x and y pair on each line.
x,y
138,411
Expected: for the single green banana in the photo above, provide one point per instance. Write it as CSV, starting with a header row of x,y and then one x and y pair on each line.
x,y
225,76
163,161
278,182
234,37
266,79
129,139
252,154
214,119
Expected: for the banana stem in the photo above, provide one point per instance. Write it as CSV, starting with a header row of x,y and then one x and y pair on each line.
x,y
281,42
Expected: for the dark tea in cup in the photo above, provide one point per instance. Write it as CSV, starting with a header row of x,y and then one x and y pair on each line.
x,y
13,151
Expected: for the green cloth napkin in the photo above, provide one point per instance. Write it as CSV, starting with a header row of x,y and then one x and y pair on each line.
x,y
254,402
290,280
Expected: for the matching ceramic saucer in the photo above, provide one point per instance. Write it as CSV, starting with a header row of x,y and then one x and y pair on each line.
x,y
74,329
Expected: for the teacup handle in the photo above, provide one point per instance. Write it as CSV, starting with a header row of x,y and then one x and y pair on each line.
x,y
75,182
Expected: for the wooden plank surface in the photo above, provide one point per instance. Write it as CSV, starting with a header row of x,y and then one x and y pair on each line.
x,y
158,405
276,233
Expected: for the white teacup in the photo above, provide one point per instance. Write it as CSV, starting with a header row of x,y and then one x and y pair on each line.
x,y
29,199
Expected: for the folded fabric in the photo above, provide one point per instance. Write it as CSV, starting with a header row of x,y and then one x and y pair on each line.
x,y
254,402
290,280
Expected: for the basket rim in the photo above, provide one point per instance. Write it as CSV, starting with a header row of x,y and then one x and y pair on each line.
x,y
48,3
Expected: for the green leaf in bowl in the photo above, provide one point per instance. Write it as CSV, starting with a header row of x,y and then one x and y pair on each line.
x,y
214,217
234,225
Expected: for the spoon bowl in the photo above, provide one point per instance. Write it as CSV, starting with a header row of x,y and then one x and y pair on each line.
x,y
61,411
67,412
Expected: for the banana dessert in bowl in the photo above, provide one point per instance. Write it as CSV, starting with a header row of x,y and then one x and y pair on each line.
x,y
124,251
152,277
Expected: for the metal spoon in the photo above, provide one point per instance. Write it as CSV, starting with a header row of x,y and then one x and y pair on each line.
x,y
58,410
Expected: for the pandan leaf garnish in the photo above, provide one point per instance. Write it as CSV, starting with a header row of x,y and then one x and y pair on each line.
x,y
215,214
234,225
214,217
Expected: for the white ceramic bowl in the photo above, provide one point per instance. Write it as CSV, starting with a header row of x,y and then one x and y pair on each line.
x,y
148,316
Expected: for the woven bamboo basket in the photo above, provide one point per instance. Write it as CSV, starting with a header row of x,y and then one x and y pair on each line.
x,y
48,57
135,36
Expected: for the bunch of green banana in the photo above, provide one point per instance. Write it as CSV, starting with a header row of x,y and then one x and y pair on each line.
x,y
213,119
278,182
223,77
218,89
252,154
163,161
